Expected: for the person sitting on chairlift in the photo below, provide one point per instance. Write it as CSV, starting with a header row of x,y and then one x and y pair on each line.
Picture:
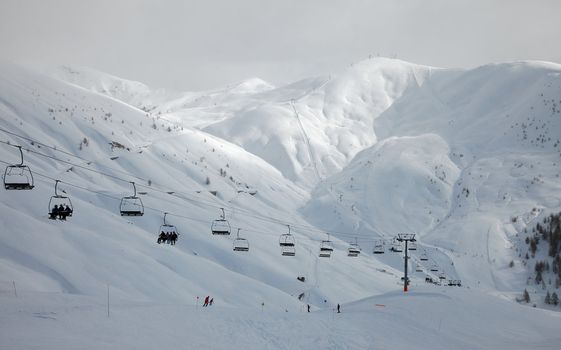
x,y
65,212
54,212
161,237
173,238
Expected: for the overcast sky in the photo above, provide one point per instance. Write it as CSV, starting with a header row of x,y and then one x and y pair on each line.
x,y
192,45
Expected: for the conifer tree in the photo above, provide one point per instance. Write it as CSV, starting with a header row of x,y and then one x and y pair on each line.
x,y
526,296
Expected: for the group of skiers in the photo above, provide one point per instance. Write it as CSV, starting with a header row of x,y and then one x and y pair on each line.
x,y
167,237
60,212
208,301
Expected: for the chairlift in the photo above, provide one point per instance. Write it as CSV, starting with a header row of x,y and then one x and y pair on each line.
x,y
396,246
288,251
354,249
18,176
221,226
419,268
325,248
132,205
167,228
424,257
457,283
434,268
166,231
379,248
60,207
240,244
442,276
412,246
287,243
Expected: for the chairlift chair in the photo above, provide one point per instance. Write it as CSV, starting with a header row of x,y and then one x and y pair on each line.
x,y
287,239
287,244
288,251
424,257
354,249
442,276
167,233
396,246
132,205
221,226
434,268
412,246
325,248
419,268
18,176
62,203
240,244
379,248
167,228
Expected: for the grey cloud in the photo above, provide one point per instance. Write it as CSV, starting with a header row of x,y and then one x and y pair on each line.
x,y
204,44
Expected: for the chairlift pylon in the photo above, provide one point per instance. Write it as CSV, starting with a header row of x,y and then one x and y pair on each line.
x,y
221,226
18,176
132,205
240,244
60,207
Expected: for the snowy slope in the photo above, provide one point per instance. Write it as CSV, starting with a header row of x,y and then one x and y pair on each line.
x,y
318,125
382,147
458,159
425,319
203,172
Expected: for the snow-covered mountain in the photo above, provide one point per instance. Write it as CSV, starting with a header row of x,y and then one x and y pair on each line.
x,y
466,159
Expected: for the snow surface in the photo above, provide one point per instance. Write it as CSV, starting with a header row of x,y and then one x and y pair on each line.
x,y
382,147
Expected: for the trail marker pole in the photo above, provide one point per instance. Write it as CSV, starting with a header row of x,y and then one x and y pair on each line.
x,y
15,290
406,237
107,300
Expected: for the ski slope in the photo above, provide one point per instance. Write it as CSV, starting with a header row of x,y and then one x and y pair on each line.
x,y
426,319
382,147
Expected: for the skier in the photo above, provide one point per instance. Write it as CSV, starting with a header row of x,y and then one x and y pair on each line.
x,y
161,237
64,212
338,308
211,301
54,213
206,301
308,307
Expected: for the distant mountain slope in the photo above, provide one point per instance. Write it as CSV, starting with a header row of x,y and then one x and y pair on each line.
x,y
313,128
457,159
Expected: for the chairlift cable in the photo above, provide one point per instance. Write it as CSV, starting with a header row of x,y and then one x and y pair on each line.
x,y
242,211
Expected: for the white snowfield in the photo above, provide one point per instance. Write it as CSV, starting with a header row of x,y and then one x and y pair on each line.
x,y
465,159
